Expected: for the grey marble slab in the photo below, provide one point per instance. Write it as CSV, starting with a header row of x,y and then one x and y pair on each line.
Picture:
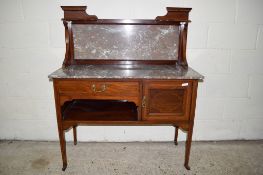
x,y
126,72
126,42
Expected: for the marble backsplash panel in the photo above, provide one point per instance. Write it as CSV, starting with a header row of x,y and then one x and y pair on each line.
x,y
126,42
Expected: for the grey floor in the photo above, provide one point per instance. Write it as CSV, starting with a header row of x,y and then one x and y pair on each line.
x,y
232,157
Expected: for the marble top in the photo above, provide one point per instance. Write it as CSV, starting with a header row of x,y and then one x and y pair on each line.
x,y
126,72
126,42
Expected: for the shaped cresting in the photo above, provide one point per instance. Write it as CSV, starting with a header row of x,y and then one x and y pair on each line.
x,y
91,39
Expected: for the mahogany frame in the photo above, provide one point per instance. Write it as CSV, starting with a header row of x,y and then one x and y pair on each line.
x,y
77,15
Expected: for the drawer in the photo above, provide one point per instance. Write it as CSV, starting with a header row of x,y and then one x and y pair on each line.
x,y
99,88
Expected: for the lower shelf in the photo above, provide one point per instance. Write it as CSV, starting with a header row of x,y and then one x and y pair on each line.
x,y
99,110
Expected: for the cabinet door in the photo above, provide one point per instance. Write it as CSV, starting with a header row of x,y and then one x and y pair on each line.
x,y
167,100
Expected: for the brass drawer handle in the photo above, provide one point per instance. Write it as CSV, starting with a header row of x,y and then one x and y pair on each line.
x,y
103,88
144,102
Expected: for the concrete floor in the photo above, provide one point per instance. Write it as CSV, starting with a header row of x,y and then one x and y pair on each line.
x,y
231,157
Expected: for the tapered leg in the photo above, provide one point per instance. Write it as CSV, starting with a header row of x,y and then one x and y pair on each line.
x,y
188,147
75,134
176,135
63,148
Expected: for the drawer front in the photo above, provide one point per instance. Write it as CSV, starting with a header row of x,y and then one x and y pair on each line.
x,y
99,88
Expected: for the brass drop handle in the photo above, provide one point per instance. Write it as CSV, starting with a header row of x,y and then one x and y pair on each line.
x,y
103,88
144,101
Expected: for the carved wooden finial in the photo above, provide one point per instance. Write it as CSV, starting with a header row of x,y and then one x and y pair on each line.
x,y
72,13
175,14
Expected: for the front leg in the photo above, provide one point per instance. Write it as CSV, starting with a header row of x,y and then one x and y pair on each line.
x,y
63,148
61,131
188,146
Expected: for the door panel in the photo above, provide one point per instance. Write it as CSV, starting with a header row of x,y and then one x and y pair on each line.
x,y
167,100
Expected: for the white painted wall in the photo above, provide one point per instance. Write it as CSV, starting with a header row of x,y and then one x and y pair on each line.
x,y
225,44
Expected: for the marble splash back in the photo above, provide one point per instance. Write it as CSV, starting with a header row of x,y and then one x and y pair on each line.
x,y
126,42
